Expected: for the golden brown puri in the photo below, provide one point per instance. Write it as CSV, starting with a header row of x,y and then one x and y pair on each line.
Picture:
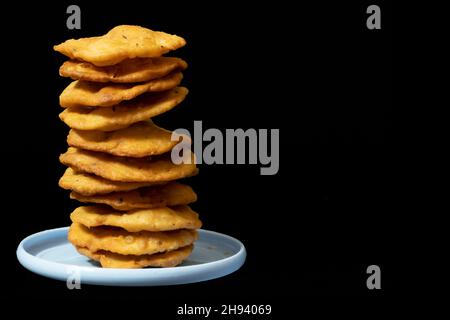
x,y
156,169
94,94
127,71
124,114
139,140
156,219
120,43
109,259
88,184
124,242
170,194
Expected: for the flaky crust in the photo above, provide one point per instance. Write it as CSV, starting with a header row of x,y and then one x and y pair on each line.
x,y
120,43
157,169
139,140
88,184
127,71
170,194
124,242
113,260
91,94
124,114
157,219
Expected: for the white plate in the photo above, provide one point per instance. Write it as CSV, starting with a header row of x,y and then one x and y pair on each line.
x,y
50,254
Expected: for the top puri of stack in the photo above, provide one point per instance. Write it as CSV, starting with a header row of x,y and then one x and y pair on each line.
x,y
120,43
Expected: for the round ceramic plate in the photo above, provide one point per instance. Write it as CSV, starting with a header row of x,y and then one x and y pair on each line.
x,y
50,254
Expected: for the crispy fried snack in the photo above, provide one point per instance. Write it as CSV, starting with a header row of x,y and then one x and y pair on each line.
x,y
114,168
120,43
170,194
114,260
127,71
92,94
139,140
123,242
157,219
88,184
124,114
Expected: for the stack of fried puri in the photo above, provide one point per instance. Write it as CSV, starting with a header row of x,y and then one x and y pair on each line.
x,y
118,159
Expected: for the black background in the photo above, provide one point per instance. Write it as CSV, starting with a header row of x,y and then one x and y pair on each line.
x,y
312,70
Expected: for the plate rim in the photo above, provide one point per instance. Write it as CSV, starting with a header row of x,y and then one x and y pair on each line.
x,y
30,261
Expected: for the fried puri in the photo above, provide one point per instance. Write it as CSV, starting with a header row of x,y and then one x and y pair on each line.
x,y
157,219
120,43
124,114
109,259
157,169
139,140
86,184
170,194
123,242
127,71
118,160
92,94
